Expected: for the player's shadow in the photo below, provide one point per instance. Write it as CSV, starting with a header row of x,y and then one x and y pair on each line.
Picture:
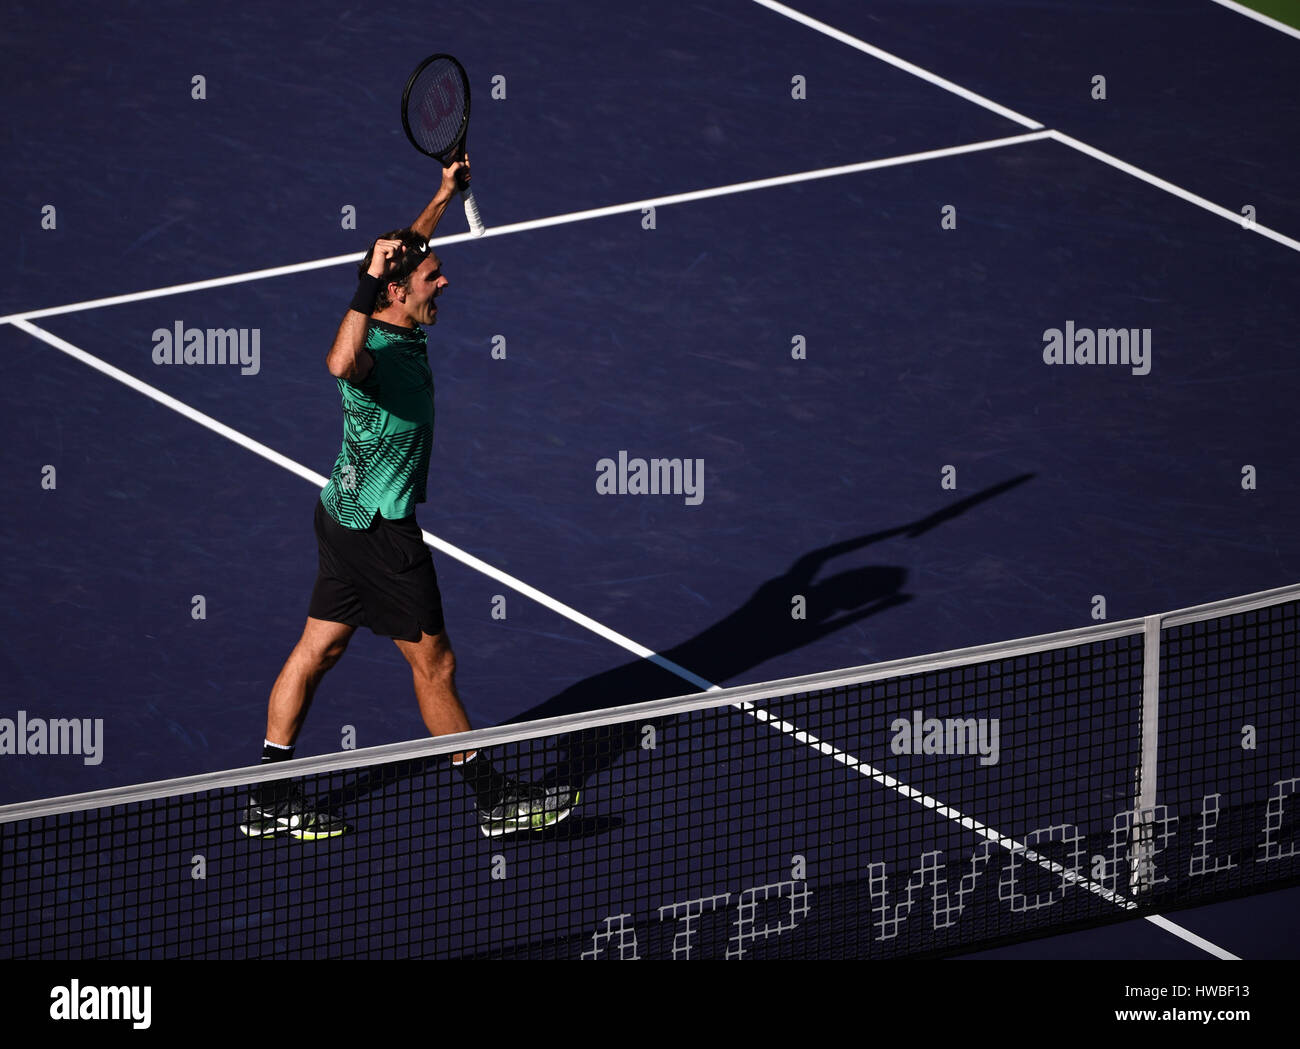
x,y
759,629
755,632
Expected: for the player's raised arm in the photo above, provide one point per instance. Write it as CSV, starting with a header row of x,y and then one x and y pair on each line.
x,y
453,176
348,358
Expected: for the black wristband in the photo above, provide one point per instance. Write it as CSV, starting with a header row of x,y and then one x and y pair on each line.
x,y
367,292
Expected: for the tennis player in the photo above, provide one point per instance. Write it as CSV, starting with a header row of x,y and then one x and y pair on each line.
x,y
375,570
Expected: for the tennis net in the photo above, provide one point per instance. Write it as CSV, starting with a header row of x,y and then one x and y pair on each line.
x,y
930,805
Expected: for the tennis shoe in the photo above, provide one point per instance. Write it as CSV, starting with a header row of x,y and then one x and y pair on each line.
x,y
292,815
525,807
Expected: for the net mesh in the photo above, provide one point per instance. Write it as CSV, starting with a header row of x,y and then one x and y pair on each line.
x,y
437,106
1228,746
902,814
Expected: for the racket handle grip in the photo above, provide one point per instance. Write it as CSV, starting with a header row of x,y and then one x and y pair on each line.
x,y
471,212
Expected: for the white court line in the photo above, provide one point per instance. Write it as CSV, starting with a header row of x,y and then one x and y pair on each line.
x,y
1192,938
760,714
1169,187
179,289
1272,23
925,801
542,223
1058,136
296,468
980,100
898,63
167,401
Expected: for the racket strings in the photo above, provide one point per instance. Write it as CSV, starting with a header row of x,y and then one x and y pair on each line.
x,y
438,107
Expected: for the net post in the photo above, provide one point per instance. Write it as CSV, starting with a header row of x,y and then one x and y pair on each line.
x,y
1141,876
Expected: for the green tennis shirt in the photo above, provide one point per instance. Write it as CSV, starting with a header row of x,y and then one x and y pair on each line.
x,y
383,466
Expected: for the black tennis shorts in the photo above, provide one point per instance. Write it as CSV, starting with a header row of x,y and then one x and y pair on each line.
x,y
379,577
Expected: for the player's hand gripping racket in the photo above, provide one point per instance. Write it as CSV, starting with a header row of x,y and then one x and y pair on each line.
x,y
435,114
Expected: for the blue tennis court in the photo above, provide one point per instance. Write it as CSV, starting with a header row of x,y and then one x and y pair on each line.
x,y
853,349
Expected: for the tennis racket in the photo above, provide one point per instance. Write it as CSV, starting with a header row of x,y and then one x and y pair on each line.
x,y
435,114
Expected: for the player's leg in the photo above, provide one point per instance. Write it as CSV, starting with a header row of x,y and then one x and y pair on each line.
x,y
321,646
433,673
504,805
278,806
401,600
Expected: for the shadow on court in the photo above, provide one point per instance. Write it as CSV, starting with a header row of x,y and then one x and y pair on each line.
x,y
756,631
